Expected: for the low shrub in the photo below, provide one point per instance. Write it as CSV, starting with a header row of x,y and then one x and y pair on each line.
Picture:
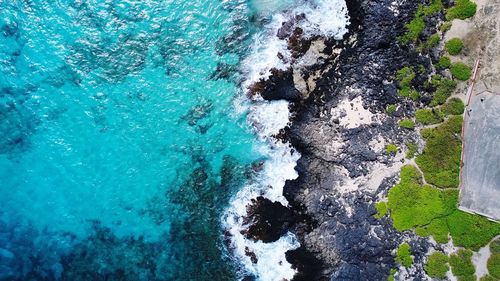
x,y
413,29
445,26
461,71
437,265
391,108
461,263
405,76
462,9
493,265
440,159
471,231
444,87
453,106
443,63
433,212
381,209
430,43
411,150
488,278
391,274
412,204
391,149
437,228
454,46
428,116
407,124
495,246
403,255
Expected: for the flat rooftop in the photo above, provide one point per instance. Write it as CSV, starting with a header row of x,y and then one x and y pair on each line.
x,y
480,178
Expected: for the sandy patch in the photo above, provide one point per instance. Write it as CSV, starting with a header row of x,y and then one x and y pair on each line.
x,y
351,114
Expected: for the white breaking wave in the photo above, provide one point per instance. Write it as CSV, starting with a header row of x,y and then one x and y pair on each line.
x,y
327,18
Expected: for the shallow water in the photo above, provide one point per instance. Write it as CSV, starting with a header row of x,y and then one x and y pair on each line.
x,y
127,142
118,137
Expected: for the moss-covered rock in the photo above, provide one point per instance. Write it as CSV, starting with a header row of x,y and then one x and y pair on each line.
x,y
403,255
461,71
454,46
437,265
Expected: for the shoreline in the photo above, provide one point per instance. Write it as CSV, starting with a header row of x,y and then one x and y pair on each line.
x,y
340,175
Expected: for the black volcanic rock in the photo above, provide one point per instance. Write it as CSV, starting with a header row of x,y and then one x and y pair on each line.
x,y
268,220
279,86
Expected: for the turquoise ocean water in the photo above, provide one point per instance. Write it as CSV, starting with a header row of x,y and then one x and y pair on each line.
x,y
119,143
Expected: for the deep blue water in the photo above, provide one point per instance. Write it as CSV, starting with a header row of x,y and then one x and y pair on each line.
x,y
119,143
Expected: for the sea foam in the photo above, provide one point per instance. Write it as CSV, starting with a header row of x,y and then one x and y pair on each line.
x,y
327,18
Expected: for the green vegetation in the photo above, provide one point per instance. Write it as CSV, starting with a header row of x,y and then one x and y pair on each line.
x,y
445,26
493,264
430,43
403,255
462,9
407,124
444,88
454,46
453,106
461,264
461,71
412,204
444,62
437,265
440,159
488,278
391,149
437,228
391,274
471,231
412,150
381,209
433,211
391,108
428,116
405,76
415,27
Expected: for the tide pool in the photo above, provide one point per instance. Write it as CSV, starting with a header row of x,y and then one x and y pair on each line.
x,y
119,142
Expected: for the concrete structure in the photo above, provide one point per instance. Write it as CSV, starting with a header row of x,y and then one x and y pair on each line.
x,y
480,175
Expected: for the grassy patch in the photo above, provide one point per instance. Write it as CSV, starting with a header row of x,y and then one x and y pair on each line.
x,y
407,124
437,228
415,27
445,26
440,159
461,71
488,278
444,62
391,108
471,231
403,255
428,116
391,149
454,46
444,88
411,150
453,106
434,212
391,274
461,264
430,43
412,204
462,9
381,209
493,265
437,265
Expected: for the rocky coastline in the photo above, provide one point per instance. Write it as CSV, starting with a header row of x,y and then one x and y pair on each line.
x,y
344,168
